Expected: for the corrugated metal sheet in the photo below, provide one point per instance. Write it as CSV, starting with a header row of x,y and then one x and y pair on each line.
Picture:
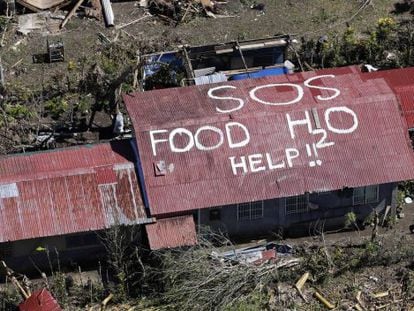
x,y
68,190
172,232
372,148
40,300
401,82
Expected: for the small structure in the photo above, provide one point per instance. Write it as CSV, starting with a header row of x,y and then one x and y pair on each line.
x,y
60,199
215,63
55,51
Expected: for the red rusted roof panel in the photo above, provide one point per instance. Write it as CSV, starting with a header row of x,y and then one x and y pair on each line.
x,y
172,232
68,190
40,300
271,137
401,82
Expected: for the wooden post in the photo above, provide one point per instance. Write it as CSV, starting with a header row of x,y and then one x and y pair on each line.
x,y
188,66
242,57
15,282
1,76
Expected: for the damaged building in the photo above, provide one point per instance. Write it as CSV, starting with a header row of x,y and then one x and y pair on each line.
x,y
196,65
275,154
251,158
58,200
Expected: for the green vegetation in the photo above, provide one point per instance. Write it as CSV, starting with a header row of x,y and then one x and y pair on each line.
x,y
56,107
388,45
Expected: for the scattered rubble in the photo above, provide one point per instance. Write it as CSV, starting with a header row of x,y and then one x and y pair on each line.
x,y
257,255
40,5
42,23
178,11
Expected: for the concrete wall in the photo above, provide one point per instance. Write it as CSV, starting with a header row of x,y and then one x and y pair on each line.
x,y
330,214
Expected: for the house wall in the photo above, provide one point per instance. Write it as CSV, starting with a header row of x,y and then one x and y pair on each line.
x,y
68,251
330,214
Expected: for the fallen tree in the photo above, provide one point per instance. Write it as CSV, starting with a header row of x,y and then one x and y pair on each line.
x,y
200,279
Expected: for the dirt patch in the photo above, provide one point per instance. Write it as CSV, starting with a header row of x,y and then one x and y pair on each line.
x,y
304,18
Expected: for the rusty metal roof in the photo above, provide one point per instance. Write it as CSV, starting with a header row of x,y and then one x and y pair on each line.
x,y
40,300
69,190
172,232
401,82
346,130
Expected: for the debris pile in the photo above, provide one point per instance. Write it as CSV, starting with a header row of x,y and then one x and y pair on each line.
x,y
269,253
206,278
180,10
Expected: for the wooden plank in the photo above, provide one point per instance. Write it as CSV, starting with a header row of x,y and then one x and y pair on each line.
x,y
39,5
70,14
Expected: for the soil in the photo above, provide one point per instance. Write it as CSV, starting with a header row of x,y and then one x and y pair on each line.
x,y
307,18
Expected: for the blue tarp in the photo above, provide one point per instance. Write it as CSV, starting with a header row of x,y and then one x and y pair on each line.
x,y
155,62
260,73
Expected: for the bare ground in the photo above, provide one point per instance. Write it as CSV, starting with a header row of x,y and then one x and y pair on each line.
x,y
307,18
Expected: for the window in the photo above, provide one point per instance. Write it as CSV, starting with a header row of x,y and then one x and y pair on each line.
x,y
250,211
365,195
296,205
358,196
215,214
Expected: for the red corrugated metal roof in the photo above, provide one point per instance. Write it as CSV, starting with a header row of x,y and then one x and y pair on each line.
x,y
354,135
68,190
172,232
40,300
401,82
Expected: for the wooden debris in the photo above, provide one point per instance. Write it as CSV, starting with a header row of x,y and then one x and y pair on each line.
x,y
95,11
43,23
288,263
380,295
105,301
323,300
16,63
299,285
358,307
384,218
70,14
180,10
38,5
207,4
359,300
104,39
133,22
10,273
383,307
210,14
2,83
186,12
143,3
